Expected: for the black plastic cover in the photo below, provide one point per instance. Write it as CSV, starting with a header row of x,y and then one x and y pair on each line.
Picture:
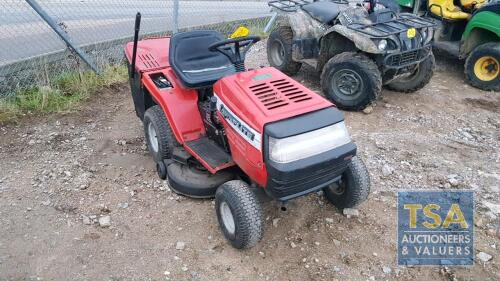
x,y
290,180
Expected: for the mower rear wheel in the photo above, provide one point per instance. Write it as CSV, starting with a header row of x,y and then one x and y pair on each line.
x,y
351,80
353,188
417,80
239,214
279,50
482,67
159,136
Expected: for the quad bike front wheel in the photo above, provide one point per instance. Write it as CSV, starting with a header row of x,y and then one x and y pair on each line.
x,y
351,80
416,80
353,188
239,214
279,50
159,136
482,67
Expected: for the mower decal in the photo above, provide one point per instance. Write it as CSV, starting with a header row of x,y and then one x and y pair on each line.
x,y
242,128
261,77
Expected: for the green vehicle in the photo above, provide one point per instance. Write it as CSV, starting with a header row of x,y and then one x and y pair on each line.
x,y
470,30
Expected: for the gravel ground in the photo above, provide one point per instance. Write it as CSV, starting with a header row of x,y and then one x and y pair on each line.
x,y
80,199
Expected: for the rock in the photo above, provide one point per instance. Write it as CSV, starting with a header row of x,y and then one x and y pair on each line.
x,y
329,220
368,109
123,205
31,142
105,221
86,220
479,222
348,212
453,180
484,257
494,208
276,221
293,245
386,269
46,203
180,245
387,170
336,242
184,268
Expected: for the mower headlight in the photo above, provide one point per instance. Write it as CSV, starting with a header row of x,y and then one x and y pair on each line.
x,y
305,145
382,45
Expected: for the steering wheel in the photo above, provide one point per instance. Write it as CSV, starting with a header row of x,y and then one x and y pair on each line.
x,y
235,49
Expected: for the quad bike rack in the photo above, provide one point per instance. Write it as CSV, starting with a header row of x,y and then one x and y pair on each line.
x,y
382,29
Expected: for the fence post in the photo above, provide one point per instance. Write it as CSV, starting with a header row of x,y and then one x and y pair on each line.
x,y
175,17
57,29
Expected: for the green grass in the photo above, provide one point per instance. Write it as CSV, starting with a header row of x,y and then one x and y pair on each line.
x,y
63,93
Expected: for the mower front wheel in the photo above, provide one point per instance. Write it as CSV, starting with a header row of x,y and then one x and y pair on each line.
x,y
239,214
159,136
353,188
417,80
351,80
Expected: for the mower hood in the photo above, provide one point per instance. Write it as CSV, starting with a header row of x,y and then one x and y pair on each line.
x,y
266,95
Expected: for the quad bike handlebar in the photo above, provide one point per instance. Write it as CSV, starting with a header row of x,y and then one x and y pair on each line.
x,y
237,54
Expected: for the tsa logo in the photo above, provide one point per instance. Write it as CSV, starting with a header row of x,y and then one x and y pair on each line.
x,y
435,228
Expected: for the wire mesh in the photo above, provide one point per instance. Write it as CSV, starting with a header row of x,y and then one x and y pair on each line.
x,y
31,53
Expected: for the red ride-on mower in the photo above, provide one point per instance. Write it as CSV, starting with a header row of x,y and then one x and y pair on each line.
x,y
218,130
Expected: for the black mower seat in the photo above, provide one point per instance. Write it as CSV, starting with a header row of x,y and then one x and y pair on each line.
x,y
194,64
323,11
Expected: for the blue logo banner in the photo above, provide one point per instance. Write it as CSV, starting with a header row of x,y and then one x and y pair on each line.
x,y
435,228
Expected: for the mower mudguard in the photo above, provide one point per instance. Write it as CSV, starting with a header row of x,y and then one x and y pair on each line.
x,y
179,104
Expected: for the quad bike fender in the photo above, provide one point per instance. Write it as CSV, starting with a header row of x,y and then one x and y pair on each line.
x,y
363,43
305,31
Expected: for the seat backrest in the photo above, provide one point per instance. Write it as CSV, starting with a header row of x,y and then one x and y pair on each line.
x,y
447,10
194,64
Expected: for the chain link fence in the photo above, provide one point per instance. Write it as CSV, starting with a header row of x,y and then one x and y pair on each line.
x,y
31,53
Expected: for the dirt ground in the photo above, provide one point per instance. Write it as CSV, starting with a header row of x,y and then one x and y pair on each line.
x,y
60,174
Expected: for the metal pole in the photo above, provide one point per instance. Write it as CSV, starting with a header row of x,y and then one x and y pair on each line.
x,y
136,38
270,22
175,28
62,34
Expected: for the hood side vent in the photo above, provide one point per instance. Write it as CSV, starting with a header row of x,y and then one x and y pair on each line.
x,y
148,60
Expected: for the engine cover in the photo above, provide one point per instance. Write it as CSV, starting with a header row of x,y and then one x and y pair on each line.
x,y
247,101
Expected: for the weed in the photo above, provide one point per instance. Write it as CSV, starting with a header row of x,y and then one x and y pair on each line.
x,y
63,93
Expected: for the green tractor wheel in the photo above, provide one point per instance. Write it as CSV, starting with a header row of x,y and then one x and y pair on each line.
x,y
482,67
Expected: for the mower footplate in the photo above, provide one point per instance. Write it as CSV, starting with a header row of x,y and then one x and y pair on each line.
x,y
210,153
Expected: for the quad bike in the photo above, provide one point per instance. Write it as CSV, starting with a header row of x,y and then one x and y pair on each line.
x,y
357,46
470,30
218,130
